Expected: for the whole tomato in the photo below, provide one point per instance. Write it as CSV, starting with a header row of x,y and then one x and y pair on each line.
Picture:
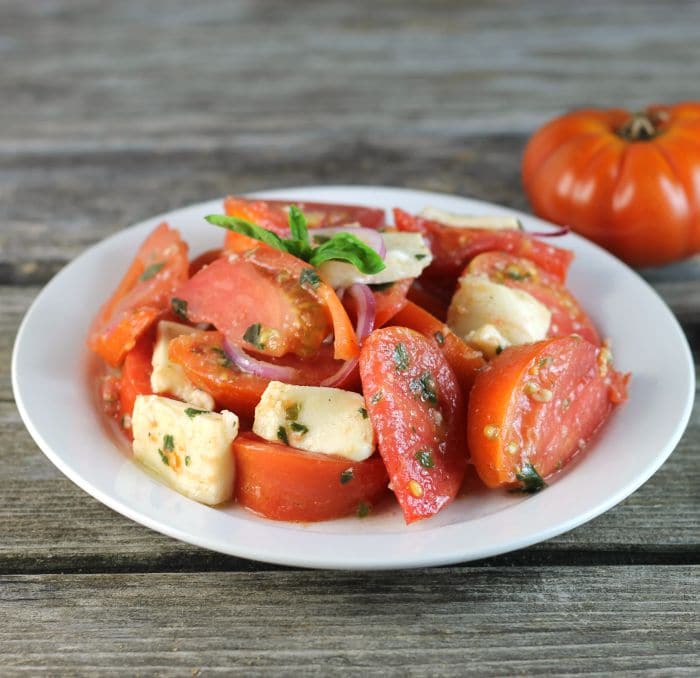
x,y
628,181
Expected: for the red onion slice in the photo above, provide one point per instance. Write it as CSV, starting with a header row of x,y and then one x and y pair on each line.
x,y
368,236
261,368
562,230
366,312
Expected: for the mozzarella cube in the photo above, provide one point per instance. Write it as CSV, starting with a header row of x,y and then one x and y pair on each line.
x,y
315,419
188,449
169,377
489,221
488,340
407,254
517,315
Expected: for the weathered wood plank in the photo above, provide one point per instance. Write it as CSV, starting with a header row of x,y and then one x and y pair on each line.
x,y
79,74
450,622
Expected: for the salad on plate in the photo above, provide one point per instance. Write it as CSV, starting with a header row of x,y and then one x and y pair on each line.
x,y
324,360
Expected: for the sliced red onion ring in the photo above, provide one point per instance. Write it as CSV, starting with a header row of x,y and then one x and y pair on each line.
x,y
270,371
562,230
368,236
366,311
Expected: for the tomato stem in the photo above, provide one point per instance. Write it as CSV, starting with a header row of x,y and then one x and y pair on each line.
x,y
640,126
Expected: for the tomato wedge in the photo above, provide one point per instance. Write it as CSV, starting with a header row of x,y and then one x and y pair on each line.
x,y
160,266
567,315
282,483
417,410
390,300
535,406
136,376
204,259
273,294
205,364
454,247
273,214
463,359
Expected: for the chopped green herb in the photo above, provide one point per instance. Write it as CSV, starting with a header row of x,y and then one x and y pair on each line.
x,y
192,413
168,443
381,287
547,360
187,461
151,270
252,336
363,510
424,387
531,480
163,458
346,476
400,357
363,412
440,338
376,398
282,435
310,277
179,307
291,412
514,274
224,361
425,458
340,247
298,428
420,256
499,349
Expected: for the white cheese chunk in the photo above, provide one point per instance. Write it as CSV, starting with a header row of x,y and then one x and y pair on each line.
x,y
488,340
490,221
189,450
517,315
169,377
407,254
315,419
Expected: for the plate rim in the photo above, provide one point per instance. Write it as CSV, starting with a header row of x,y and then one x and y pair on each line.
x,y
327,560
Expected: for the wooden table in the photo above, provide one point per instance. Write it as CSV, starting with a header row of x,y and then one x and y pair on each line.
x,y
111,112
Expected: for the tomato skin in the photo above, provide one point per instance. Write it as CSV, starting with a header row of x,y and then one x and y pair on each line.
x,y
204,259
136,374
573,391
141,296
417,411
637,197
453,248
390,301
273,215
282,483
567,315
462,358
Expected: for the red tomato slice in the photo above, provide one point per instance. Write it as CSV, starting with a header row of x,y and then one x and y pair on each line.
x,y
462,358
417,410
535,406
390,301
136,376
567,315
205,364
160,266
204,259
453,247
261,288
283,483
273,214
310,306
434,298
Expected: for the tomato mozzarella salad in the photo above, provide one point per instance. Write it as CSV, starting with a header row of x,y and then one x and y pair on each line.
x,y
323,359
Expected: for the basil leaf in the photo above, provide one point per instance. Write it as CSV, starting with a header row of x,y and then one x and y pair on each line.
x,y
297,224
347,247
246,228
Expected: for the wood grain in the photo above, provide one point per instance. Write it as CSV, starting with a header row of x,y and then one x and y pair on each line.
x,y
450,622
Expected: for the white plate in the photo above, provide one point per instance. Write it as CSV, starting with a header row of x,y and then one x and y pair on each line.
x,y
50,368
